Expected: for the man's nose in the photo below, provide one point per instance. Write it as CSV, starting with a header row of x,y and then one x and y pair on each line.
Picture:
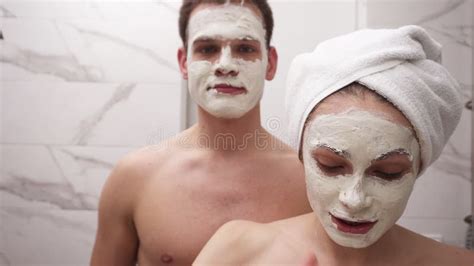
x,y
226,65
354,197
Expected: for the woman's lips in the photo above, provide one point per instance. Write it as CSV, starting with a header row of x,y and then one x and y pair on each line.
x,y
228,89
359,228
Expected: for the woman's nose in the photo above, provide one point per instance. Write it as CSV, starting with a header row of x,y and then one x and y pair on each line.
x,y
354,198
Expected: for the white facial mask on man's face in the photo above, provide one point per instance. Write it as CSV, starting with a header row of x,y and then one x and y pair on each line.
x,y
358,197
226,22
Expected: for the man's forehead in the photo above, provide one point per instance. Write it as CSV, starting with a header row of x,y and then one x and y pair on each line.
x,y
209,6
221,38
225,13
227,21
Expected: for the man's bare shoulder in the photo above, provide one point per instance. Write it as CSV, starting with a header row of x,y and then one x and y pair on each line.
x,y
157,155
136,167
236,242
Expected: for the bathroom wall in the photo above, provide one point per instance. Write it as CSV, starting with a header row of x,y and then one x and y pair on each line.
x,y
85,82
82,84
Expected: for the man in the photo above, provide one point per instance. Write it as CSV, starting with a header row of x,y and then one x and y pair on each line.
x,y
162,204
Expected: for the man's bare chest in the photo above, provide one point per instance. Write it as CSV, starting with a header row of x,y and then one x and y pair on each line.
x,y
175,219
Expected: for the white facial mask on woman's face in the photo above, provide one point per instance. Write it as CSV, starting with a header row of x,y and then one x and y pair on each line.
x,y
226,22
375,203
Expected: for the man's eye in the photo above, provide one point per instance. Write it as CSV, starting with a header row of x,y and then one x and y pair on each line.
x,y
388,176
246,49
207,49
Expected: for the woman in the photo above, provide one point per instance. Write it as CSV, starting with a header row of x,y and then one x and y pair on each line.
x,y
369,112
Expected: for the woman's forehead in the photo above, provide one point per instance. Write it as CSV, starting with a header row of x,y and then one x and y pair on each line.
x,y
337,104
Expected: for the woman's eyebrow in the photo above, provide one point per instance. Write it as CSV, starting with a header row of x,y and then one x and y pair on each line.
x,y
341,153
400,151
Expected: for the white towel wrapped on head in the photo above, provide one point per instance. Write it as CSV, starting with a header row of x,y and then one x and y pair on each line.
x,y
402,65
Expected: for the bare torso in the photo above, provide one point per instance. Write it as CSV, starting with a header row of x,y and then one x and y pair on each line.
x,y
186,194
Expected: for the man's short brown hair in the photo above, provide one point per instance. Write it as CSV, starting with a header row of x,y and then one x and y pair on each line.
x,y
189,5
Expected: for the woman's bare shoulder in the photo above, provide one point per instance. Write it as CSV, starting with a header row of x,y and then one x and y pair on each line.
x,y
431,252
451,255
236,243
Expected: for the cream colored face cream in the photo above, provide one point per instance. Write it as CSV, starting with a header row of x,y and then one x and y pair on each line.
x,y
227,60
360,171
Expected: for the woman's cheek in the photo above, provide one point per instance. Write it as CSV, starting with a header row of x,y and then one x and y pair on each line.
x,y
321,190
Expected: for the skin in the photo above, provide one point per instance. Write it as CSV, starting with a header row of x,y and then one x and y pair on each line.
x,y
161,204
302,239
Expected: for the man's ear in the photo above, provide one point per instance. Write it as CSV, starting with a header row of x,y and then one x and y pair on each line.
x,y
183,62
272,63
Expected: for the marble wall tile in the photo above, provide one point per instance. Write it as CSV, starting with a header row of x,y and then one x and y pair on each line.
x,y
90,9
51,9
91,50
87,168
141,50
89,113
158,9
30,173
49,197
48,59
55,177
46,237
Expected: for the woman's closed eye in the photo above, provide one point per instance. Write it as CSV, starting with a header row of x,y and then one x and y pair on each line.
x,y
388,176
330,169
331,163
392,168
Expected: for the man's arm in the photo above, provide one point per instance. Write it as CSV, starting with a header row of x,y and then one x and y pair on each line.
x,y
116,239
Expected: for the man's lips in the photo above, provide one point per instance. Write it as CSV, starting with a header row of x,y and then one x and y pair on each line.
x,y
346,226
228,89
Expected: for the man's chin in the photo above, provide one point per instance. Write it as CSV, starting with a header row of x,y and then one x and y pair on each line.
x,y
227,110
227,114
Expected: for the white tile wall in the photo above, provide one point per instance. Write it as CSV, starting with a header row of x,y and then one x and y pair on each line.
x,y
82,84
89,113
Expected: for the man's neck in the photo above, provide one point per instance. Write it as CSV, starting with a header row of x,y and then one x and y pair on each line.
x,y
230,135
